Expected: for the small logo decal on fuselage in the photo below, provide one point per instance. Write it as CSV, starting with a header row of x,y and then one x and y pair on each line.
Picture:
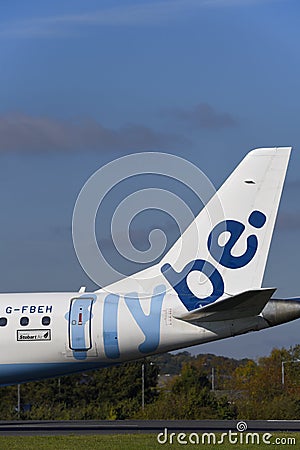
x,y
33,335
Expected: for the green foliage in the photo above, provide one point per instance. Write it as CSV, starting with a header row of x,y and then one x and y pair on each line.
x,y
112,393
261,394
171,363
188,396
244,389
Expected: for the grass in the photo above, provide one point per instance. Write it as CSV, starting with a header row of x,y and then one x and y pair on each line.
x,y
125,442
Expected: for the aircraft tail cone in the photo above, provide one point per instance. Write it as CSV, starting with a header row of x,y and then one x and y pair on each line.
x,y
282,310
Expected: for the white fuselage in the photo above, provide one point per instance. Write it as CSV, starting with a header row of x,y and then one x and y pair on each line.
x,y
51,334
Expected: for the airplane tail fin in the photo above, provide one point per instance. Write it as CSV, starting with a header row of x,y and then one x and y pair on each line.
x,y
224,251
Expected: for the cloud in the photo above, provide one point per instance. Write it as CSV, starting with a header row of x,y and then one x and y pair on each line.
x,y
204,116
140,13
21,132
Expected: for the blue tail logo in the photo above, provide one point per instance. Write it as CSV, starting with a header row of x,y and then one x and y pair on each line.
x,y
222,254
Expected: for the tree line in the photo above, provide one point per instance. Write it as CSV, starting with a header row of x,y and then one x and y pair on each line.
x,y
168,386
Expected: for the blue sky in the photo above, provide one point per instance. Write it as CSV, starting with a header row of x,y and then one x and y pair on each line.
x,y
85,82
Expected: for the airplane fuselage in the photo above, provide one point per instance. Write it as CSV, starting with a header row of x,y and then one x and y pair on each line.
x,y
51,334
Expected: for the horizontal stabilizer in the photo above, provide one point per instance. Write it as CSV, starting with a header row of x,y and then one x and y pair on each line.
x,y
246,304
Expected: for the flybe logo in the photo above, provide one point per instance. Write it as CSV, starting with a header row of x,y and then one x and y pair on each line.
x,y
149,324
222,254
